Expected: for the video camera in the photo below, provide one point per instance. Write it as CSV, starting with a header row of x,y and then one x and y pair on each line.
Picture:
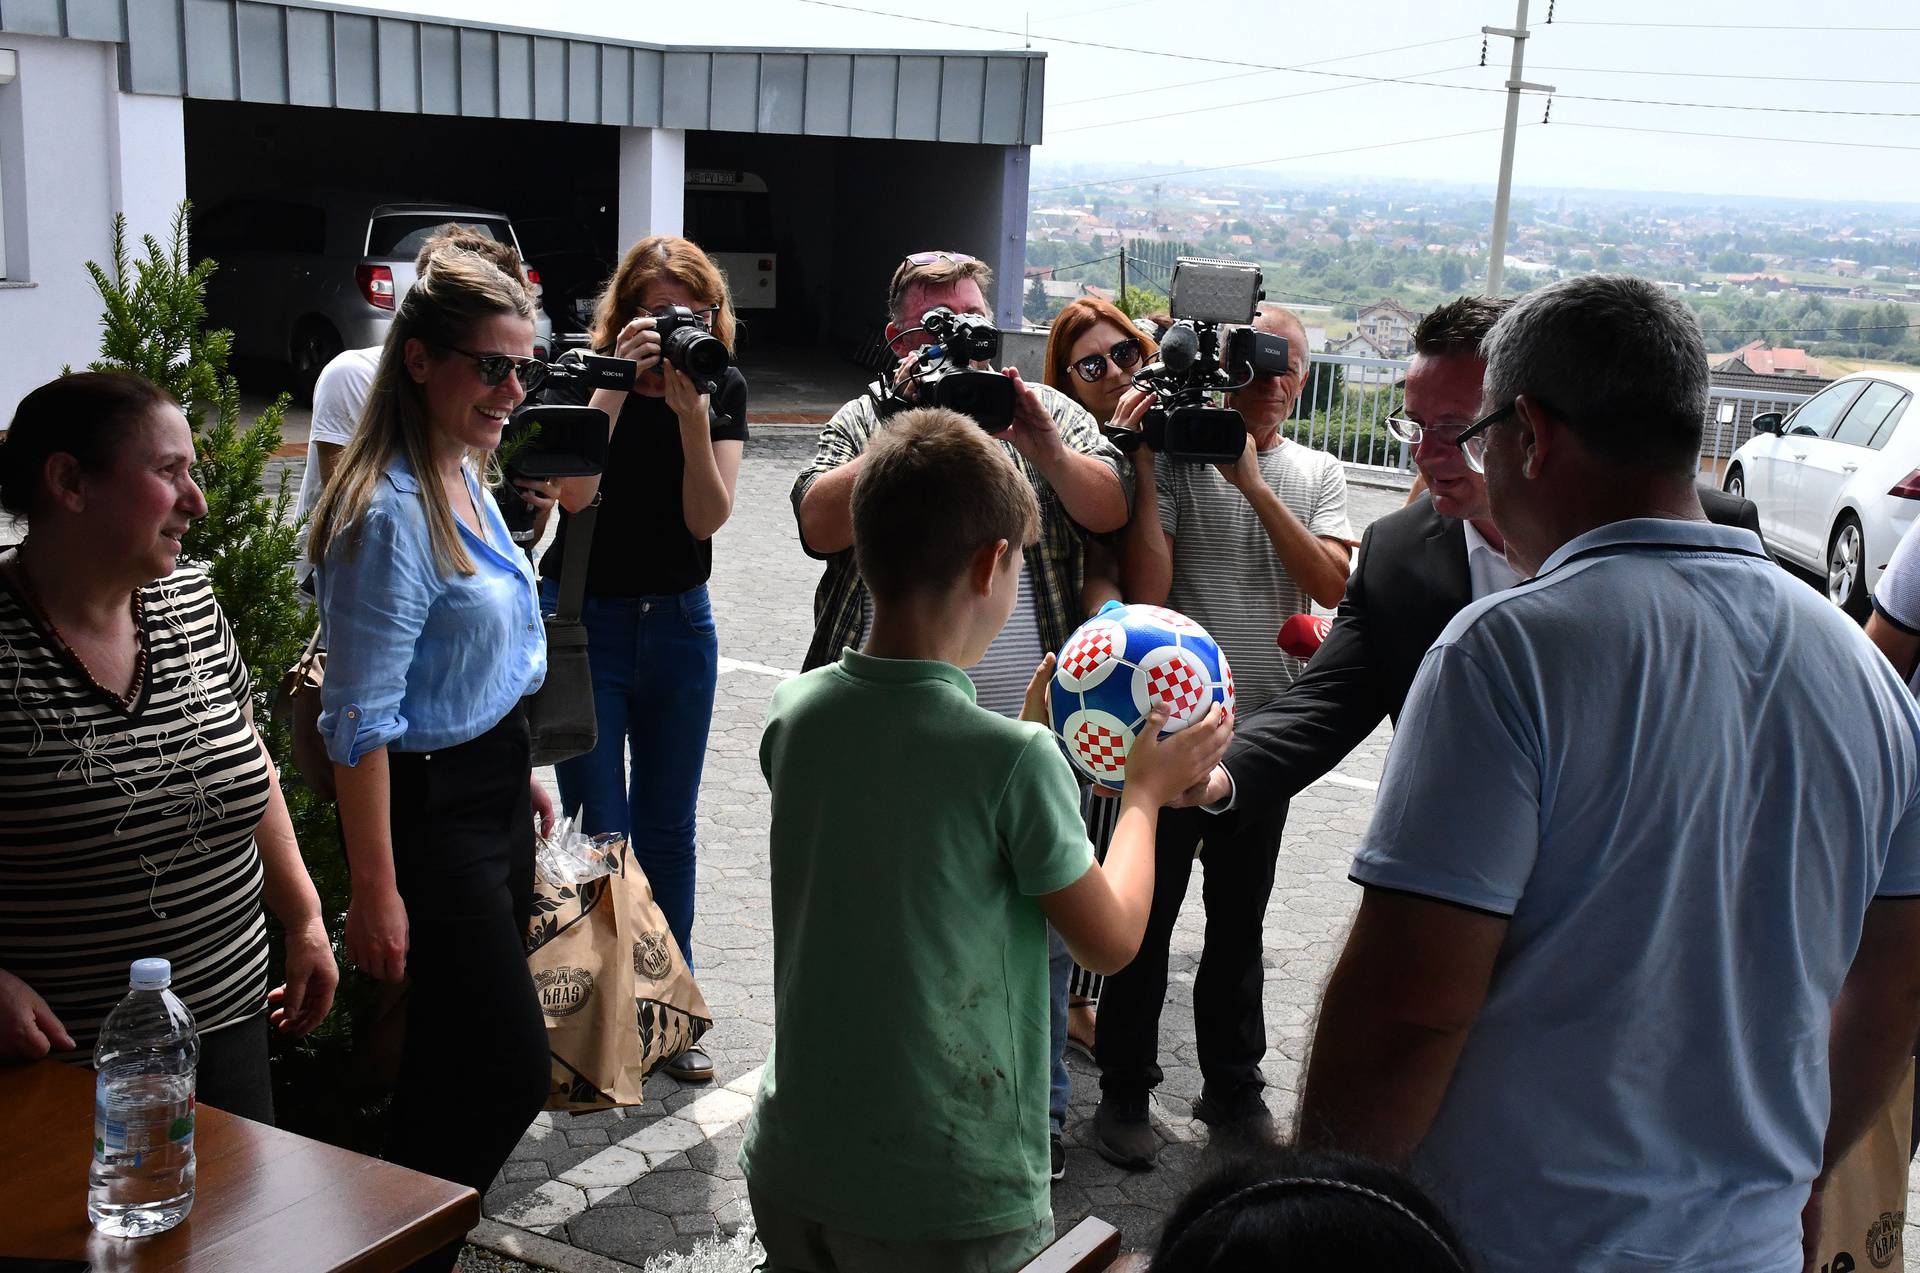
x,y
544,442
945,376
1195,363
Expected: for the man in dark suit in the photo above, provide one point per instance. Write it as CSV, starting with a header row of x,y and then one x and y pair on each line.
x,y
1417,568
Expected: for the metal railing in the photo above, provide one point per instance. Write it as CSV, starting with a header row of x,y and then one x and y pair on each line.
x,y
1344,408
1347,401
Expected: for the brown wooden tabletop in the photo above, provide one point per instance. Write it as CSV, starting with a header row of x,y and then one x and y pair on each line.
x,y
265,1199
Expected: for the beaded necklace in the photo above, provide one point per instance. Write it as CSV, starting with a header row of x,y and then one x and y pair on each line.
x,y
18,571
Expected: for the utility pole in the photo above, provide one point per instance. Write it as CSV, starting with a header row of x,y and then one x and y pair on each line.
x,y
1503,195
1122,298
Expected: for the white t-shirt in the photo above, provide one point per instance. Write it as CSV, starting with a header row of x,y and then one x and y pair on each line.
x,y
338,395
1226,576
1897,596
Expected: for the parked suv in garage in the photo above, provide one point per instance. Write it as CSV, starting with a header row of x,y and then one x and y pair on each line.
x,y
301,280
1837,482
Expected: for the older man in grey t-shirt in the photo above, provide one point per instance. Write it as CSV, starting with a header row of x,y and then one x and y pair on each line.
x,y
1239,548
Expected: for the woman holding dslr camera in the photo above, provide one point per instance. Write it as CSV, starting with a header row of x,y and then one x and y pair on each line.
x,y
672,464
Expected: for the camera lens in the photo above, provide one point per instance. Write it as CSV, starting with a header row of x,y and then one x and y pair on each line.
x,y
696,352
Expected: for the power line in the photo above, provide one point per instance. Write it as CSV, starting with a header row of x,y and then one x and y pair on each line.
x,y
1789,141
1805,331
1278,159
1729,75
1255,101
1302,69
1051,270
1720,26
1373,79
1221,79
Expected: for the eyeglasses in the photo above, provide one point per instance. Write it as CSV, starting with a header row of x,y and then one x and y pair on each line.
x,y
1473,439
1412,432
1125,356
928,258
495,368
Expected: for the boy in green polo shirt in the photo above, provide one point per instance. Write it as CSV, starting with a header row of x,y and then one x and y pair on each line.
x,y
920,846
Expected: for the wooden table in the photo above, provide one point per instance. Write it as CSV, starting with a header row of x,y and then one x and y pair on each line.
x,y
266,1199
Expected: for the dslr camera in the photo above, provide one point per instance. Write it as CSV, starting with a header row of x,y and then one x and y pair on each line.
x,y
690,347
1198,361
945,376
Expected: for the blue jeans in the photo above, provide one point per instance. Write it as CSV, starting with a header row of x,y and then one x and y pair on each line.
x,y
654,662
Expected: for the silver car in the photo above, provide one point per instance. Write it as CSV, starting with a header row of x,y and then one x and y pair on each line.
x,y
300,280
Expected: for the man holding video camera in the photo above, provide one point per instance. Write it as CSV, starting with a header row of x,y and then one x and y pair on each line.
x,y
1238,547
1080,480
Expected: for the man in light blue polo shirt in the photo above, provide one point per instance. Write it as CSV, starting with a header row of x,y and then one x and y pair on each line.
x,y
1641,880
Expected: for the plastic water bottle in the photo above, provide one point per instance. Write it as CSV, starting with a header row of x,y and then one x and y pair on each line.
x,y
141,1177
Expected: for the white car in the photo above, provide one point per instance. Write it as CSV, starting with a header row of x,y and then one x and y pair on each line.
x,y
1837,482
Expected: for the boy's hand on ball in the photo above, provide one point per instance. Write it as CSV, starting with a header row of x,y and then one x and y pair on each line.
x,y
1039,705
1162,768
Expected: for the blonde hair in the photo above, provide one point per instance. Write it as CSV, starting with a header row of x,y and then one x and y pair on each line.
x,y
457,288
653,258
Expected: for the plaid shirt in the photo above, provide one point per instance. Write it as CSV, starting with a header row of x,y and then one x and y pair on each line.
x,y
839,604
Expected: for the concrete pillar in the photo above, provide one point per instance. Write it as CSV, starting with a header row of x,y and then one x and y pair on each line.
x,y
146,158
1009,277
653,183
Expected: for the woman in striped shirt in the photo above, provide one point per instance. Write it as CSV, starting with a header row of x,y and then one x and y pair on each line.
x,y
139,813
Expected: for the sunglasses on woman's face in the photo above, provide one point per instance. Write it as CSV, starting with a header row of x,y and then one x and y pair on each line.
x,y
1125,356
495,368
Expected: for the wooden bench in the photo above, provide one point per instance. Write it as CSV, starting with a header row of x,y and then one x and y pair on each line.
x,y
1089,1247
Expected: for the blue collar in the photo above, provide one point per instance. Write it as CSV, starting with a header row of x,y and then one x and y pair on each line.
x,y
1669,534
400,474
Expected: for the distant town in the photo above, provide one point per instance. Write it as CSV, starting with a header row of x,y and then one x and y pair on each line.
x,y
1783,289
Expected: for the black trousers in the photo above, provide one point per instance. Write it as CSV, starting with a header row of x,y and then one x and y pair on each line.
x,y
474,1070
233,1074
1230,1024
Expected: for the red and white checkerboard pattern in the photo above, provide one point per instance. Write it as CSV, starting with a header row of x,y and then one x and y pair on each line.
x,y
1091,655
1174,678
1102,752
1227,684
1172,620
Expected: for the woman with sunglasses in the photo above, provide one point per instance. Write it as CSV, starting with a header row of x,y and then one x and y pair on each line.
x,y
672,464
433,633
1093,350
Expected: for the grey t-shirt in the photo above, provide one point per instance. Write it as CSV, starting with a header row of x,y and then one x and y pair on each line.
x,y
1226,575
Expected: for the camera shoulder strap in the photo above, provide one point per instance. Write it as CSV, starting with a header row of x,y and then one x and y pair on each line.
x,y
573,570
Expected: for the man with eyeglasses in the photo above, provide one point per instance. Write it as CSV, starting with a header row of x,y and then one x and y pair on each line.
x,y
1238,548
1082,485
1639,945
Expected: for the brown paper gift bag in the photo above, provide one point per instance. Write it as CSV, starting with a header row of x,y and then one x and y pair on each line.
x,y
618,997
1864,1209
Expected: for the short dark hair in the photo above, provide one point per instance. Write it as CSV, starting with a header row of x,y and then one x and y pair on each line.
x,y
1619,358
86,414
932,491
1459,326
1284,1208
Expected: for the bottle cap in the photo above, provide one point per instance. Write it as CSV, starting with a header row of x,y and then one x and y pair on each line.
x,y
151,974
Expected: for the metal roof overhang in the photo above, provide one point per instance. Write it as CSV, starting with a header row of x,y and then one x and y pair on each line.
x,y
290,53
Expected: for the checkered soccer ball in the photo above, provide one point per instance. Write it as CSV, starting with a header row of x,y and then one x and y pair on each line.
x,y
1112,671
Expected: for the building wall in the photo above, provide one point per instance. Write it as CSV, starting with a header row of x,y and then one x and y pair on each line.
x,y
73,151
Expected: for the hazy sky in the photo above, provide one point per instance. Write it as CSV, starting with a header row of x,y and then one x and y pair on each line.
x,y
1757,153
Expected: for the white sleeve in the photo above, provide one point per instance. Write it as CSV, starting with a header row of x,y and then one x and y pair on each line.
x,y
339,395
1897,596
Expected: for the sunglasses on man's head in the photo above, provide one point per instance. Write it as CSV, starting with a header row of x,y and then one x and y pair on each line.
x,y
928,258
1125,356
495,368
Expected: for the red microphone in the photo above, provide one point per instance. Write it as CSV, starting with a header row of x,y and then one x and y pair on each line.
x,y
1301,635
